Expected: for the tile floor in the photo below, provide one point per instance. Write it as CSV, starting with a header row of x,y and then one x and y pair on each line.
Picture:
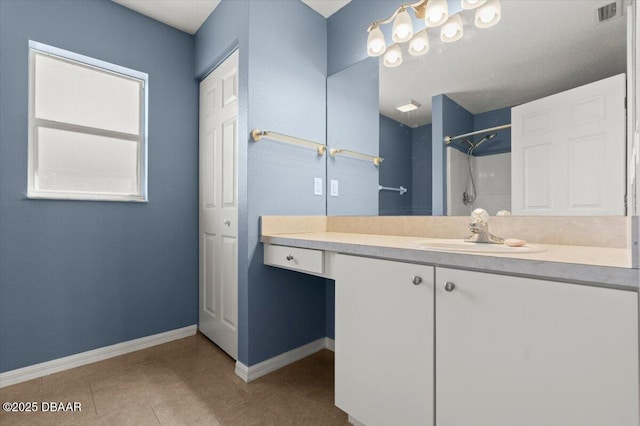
x,y
185,382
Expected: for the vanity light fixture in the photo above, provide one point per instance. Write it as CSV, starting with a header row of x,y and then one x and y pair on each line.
x,y
472,4
419,44
488,14
393,56
413,105
452,29
435,13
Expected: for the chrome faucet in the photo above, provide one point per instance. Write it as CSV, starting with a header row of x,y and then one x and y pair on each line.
x,y
479,228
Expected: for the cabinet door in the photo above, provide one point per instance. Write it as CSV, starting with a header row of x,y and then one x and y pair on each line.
x,y
384,341
518,352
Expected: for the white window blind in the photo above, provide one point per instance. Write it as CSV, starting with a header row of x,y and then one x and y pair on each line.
x,y
87,128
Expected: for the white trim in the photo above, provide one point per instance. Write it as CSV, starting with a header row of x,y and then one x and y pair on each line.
x,y
88,60
249,374
330,344
354,421
45,368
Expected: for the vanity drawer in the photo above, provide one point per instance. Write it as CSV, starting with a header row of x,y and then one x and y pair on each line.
x,y
298,259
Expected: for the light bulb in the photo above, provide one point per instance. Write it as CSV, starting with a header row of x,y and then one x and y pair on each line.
x,y
452,30
472,4
402,27
419,44
488,14
436,13
393,56
375,43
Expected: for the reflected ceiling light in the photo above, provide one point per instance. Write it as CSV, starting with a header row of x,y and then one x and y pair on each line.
x,y
419,44
452,29
375,43
472,4
488,14
435,14
393,56
413,105
402,27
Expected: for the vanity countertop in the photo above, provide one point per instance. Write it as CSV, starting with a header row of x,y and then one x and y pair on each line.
x,y
602,266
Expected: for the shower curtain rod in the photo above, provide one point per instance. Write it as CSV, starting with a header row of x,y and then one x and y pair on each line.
x,y
449,139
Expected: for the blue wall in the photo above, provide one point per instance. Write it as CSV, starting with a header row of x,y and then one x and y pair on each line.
x,y
502,142
287,94
76,275
421,165
352,123
282,88
395,171
449,119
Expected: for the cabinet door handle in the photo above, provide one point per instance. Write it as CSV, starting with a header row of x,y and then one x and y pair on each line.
x,y
227,223
289,257
449,286
416,280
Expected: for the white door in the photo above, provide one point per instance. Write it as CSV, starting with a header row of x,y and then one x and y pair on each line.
x,y
568,152
218,209
384,341
525,352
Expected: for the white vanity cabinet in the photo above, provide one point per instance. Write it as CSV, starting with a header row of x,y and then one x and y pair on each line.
x,y
384,341
509,351
518,351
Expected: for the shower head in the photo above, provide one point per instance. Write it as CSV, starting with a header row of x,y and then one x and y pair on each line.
x,y
486,138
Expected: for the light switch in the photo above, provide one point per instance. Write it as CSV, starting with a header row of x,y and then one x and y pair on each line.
x,y
334,188
317,186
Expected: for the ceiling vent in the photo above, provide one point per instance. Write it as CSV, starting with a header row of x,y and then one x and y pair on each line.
x,y
608,11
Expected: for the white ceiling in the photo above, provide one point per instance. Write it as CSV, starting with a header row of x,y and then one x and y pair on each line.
x,y
537,49
185,15
189,15
326,8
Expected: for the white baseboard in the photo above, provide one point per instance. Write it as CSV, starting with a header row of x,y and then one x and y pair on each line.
x,y
330,344
354,421
45,368
249,374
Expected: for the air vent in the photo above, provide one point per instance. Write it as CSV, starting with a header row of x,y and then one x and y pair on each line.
x,y
608,11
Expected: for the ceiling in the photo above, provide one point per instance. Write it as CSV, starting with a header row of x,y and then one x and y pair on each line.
x,y
537,49
189,15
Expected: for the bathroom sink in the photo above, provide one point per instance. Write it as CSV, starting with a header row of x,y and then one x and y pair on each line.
x,y
465,247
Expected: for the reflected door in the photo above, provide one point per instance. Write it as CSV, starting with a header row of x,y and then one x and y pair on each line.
x,y
218,211
568,152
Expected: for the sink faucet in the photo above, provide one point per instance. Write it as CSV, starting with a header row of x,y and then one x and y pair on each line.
x,y
479,228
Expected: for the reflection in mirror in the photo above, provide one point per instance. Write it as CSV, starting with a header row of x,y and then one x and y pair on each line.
x,y
538,49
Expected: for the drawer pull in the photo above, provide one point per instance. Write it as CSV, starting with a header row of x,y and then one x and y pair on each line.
x,y
416,280
227,223
449,286
289,257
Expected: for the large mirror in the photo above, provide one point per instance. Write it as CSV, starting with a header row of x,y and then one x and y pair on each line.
x,y
538,49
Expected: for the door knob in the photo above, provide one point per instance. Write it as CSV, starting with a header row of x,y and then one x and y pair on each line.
x,y
416,280
449,286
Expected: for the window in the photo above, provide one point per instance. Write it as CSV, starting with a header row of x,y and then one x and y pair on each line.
x,y
87,128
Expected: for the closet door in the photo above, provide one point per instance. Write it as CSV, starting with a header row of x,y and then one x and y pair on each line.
x,y
568,152
218,208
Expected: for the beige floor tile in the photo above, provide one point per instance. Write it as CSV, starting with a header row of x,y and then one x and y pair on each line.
x,y
144,416
283,408
187,407
24,391
186,382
